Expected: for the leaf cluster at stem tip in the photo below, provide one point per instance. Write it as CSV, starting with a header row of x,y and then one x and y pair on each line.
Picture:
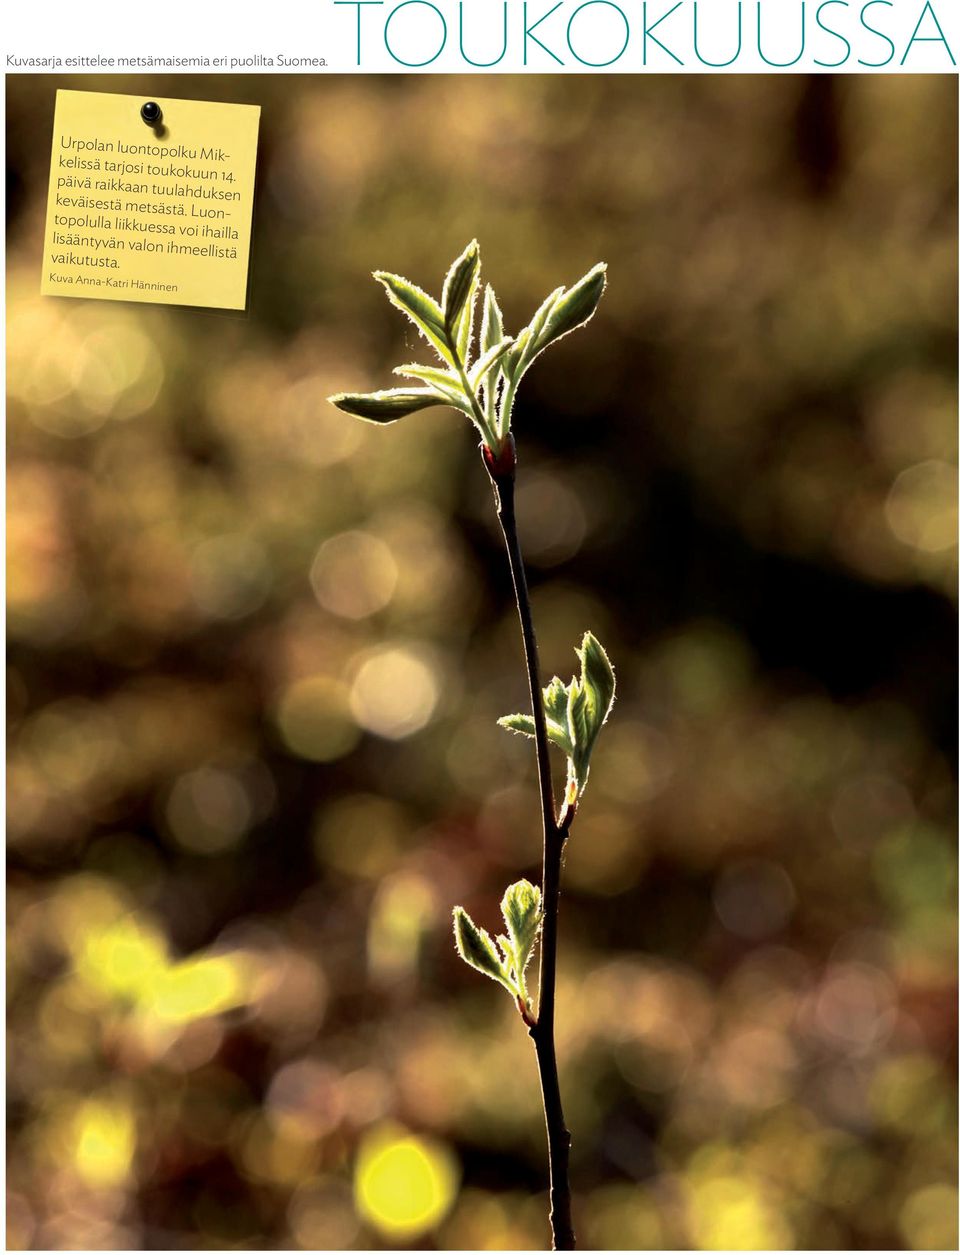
x,y
575,713
479,380
506,960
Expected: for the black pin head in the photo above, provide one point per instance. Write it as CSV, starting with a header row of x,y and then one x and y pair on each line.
x,y
151,113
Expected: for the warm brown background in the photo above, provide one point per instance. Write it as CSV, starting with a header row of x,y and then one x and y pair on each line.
x,y
257,651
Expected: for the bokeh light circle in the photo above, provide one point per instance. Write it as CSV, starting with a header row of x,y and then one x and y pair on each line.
x,y
404,1184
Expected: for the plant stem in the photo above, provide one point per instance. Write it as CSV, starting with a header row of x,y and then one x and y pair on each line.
x,y
502,472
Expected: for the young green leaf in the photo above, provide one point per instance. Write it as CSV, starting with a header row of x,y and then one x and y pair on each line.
x,y
387,406
589,703
436,376
506,949
540,319
476,948
422,310
557,733
459,295
441,381
578,719
574,308
555,704
597,679
527,345
491,335
491,325
461,277
464,328
488,361
574,713
512,360
523,724
563,311
555,701
522,915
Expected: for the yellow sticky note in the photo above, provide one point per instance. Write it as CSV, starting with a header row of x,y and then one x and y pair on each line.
x,y
158,213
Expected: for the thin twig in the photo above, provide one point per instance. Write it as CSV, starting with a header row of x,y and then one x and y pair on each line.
x,y
502,472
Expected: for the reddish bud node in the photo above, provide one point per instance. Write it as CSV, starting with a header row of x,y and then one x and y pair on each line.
x,y
501,464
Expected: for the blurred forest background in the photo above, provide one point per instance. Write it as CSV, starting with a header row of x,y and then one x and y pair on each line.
x,y
257,651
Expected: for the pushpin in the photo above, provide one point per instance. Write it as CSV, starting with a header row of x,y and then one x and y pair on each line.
x,y
151,113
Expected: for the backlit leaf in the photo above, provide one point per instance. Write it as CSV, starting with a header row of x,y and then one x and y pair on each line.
x,y
422,310
522,915
511,361
578,720
475,947
527,343
597,679
489,359
441,381
459,295
387,406
555,700
574,308
491,325
456,287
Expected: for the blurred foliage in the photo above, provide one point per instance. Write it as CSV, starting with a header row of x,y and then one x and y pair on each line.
x,y
257,653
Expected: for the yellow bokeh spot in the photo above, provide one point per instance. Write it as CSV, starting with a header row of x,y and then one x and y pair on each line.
x,y
197,987
394,693
402,911
124,959
730,1214
928,1219
403,1185
921,507
104,1142
314,721
353,575
130,961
